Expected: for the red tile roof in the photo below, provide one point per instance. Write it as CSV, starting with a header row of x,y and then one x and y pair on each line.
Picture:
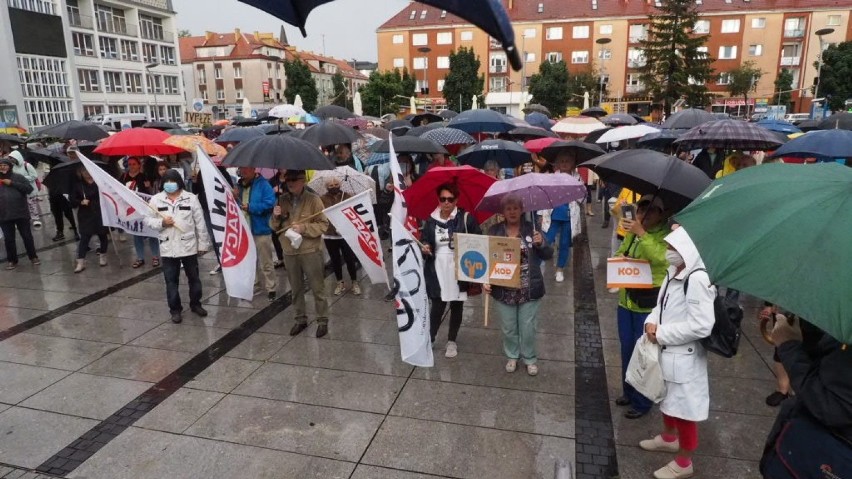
x,y
244,44
527,10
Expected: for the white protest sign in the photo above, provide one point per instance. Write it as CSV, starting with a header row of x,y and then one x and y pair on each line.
x,y
628,273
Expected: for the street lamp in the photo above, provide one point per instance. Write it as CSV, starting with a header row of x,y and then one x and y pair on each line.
x,y
425,89
602,42
820,33
148,68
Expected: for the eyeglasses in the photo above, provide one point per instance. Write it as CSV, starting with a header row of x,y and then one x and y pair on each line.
x,y
446,199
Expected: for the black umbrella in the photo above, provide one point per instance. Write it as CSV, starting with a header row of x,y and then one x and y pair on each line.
x,y
51,156
536,108
689,118
237,135
333,111
11,138
594,112
72,130
674,181
619,119
531,133
327,133
842,121
661,139
507,154
275,128
398,127
583,151
594,136
178,132
808,125
247,122
161,125
62,177
418,120
730,135
409,144
277,152
420,130
448,114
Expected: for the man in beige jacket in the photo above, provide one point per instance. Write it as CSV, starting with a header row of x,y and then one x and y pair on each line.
x,y
300,210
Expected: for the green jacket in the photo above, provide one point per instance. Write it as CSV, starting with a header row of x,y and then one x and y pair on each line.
x,y
651,247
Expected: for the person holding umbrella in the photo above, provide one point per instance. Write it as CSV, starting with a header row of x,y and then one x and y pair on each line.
x,y
15,213
87,199
517,308
60,207
563,216
135,180
278,183
338,250
257,200
439,268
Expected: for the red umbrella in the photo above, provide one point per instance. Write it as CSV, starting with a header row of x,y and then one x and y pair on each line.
x,y
535,146
422,196
138,142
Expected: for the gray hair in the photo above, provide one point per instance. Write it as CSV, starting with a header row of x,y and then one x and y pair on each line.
x,y
511,199
491,165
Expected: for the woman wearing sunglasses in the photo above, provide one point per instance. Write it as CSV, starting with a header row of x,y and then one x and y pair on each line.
x,y
441,284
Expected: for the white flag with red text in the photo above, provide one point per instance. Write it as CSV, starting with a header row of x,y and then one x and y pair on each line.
x,y
399,209
120,207
355,221
412,302
231,233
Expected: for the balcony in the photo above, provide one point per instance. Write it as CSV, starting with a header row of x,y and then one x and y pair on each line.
x,y
794,33
158,35
790,61
635,88
81,21
635,63
120,28
498,69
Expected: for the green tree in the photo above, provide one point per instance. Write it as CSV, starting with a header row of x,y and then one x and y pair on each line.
x,y
783,85
407,83
580,83
549,87
834,81
339,85
743,79
184,33
675,66
300,82
381,93
464,81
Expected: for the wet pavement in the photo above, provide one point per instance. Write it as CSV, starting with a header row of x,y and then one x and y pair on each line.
x,y
97,383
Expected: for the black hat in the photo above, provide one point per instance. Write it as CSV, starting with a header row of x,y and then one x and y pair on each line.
x,y
173,176
295,174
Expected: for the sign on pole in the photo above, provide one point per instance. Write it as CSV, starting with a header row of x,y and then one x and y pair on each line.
x,y
495,260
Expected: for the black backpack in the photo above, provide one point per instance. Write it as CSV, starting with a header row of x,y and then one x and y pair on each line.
x,y
724,340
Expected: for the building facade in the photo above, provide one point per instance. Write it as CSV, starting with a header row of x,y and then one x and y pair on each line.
x,y
603,37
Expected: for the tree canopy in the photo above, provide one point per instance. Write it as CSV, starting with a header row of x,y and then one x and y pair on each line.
x,y
743,79
783,85
549,87
382,92
339,85
835,83
464,80
675,64
300,82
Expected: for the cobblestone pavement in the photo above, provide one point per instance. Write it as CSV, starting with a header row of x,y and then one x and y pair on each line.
x,y
97,383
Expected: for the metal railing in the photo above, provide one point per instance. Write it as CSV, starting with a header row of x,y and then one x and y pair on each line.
x,y
498,69
159,35
790,61
81,21
635,88
120,28
794,33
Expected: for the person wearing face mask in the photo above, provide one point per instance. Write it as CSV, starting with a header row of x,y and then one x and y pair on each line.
x,y
338,250
682,317
183,236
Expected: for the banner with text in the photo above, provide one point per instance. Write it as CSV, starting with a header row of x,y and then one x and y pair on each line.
x,y
494,260
355,221
412,303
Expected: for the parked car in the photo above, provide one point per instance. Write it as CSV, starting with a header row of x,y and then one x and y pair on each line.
x,y
797,117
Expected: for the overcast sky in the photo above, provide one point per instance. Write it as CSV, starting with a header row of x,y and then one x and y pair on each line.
x,y
349,26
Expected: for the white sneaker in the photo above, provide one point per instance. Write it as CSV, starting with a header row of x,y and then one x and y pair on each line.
x,y
560,277
452,350
511,365
356,289
659,445
36,223
532,369
339,289
673,471
102,260
216,270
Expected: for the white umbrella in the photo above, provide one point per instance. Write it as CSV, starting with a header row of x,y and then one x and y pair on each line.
x,y
286,111
475,104
626,133
298,102
577,125
247,108
356,104
413,105
351,181
586,100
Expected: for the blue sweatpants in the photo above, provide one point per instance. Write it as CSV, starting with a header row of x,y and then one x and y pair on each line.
x,y
631,327
563,228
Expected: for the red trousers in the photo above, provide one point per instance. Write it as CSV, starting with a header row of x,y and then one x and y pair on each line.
x,y
687,431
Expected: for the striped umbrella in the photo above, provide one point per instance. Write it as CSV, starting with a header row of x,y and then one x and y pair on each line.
x,y
729,135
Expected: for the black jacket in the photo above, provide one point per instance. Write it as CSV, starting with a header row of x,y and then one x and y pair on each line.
x,y
89,220
13,198
456,225
535,256
709,166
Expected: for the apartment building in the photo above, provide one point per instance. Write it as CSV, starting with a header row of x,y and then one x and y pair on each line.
x,y
603,37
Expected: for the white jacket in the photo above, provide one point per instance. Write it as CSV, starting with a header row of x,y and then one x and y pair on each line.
x,y
682,320
189,234
25,169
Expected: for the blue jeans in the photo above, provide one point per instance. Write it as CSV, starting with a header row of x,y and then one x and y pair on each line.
x,y
563,228
631,327
139,246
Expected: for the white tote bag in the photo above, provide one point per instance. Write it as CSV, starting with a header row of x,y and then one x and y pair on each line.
x,y
644,371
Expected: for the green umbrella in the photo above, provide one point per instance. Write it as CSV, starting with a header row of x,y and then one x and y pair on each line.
x,y
781,233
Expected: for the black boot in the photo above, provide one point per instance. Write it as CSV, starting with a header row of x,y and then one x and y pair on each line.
x,y
76,235
59,237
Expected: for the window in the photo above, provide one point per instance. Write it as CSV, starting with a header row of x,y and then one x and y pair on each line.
x,y
731,26
133,82
44,83
727,53
149,53
217,72
397,39
637,33
202,76
553,33
634,82
110,19
117,109
419,39
497,84
635,58
443,62
113,82
89,80
580,31
40,6
724,79
833,20
443,14
441,84
399,62
755,50
140,109
702,26
580,57
129,50
423,14
74,18
554,57
605,29
497,63
83,44
529,33
167,55
421,63
790,54
204,95
759,22
92,110
466,36
155,83
529,57
540,8
109,47
794,27
704,51
605,54
422,86
238,70
152,27
413,15
445,38
174,113
239,95
171,84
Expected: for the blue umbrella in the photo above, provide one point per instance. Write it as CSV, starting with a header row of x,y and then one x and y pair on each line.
x,y
825,145
780,126
478,121
507,154
489,15
538,119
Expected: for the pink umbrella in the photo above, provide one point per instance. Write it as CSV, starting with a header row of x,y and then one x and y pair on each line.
x,y
538,191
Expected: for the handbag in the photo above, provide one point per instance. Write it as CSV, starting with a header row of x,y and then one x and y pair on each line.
x,y
473,289
644,371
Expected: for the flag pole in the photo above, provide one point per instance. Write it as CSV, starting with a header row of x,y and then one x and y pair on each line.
x,y
115,247
486,308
